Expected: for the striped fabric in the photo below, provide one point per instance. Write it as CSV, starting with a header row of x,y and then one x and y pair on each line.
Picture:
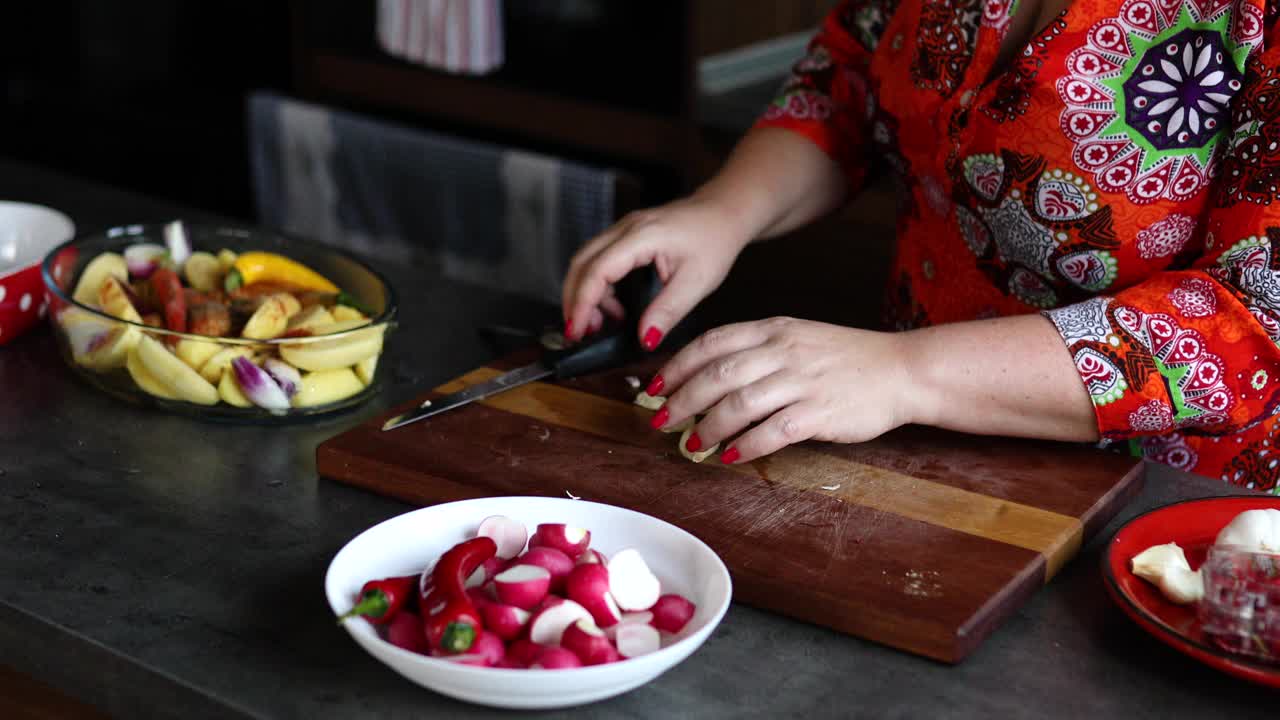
x,y
457,36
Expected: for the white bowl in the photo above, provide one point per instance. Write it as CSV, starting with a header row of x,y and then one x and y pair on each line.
x,y
407,543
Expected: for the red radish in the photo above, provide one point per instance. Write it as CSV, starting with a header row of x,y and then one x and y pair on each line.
x,y
589,643
631,583
635,640
507,663
672,612
509,535
556,562
588,585
486,572
636,618
523,585
505,621
524,652
569,540
555,658
549,624
405,631
589,556
489,646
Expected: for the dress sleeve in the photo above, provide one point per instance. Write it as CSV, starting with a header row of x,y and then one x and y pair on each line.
x,y
1195,350
826,97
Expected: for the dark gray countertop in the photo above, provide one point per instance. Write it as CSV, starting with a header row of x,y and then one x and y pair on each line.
x,y
160,566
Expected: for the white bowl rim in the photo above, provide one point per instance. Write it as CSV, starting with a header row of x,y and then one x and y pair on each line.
x,y
44,213
671,649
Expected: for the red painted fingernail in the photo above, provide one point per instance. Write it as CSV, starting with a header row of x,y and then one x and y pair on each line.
x,y
652,337
655,385
694,443
568,328
730,456
660,419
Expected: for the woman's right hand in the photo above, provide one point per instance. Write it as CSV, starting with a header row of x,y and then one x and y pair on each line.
x,y
691,242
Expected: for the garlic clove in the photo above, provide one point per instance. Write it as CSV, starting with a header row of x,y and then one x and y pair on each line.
x,y
1253,531
1166,567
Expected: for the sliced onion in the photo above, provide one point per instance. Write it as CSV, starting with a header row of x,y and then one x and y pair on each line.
x,y
258,386
286,375
175,237
143,259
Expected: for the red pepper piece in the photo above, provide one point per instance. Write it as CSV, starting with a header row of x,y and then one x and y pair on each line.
x,y
381,600
452,623
169,292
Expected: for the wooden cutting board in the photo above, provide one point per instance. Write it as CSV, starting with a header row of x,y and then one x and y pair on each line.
x,y
923,540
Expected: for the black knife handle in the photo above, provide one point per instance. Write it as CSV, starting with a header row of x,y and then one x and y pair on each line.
x,y
605,351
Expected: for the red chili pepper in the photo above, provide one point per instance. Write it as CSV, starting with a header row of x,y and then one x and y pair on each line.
x,y
381,600
452,623
169,292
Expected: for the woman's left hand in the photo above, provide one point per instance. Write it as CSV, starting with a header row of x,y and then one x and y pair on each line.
x,y
799,379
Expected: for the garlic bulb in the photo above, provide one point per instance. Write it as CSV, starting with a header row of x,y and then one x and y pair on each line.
x,y
1166,567
1253,531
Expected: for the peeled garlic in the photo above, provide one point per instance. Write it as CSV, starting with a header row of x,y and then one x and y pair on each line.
x,y
695,456
1253,531
1166,567
650,402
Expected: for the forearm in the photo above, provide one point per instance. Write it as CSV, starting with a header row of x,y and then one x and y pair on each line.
x,y
1008,376
775,181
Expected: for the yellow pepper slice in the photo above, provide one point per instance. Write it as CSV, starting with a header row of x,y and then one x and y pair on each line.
x,y
252,267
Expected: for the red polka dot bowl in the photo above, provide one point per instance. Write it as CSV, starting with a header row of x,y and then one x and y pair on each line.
x,y
27,233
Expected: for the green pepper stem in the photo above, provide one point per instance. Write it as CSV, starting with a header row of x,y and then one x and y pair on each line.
x,y
458,637
372,604
234,280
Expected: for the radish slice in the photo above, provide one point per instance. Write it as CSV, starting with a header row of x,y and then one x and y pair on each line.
x,y
569,540
504,621
590,556
486,572
672,612
509,535
631,583
405,631
635,618
635,640
143,259
524,651
556,562
175,238
549,624
588,585
555,658
523,586
589,643
285,375
258,386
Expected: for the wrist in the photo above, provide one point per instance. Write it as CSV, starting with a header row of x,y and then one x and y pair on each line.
x,y
920,396
724,211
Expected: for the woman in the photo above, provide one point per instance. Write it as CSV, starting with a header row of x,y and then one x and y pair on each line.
x,y
1085,237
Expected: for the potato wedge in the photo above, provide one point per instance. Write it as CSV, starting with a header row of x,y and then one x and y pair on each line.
x,y
229,391
144,379
174,374
268,321
291,304
107,264
365,369
226,260
96,343
115,302
343,313
340,352
215,366
203,271
196,353
310,320
326,386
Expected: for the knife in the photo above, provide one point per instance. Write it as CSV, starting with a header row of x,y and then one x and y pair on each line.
x,y
606,350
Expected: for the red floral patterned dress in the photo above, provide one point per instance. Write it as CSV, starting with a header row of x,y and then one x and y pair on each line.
x,y
1121,175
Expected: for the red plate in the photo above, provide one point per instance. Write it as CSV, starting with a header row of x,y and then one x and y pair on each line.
x,y
1194,525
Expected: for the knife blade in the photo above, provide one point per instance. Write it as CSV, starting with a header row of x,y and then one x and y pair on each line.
x,y
608,349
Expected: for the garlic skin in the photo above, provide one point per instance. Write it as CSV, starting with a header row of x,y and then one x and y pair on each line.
x,y
1166,567
1253,531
